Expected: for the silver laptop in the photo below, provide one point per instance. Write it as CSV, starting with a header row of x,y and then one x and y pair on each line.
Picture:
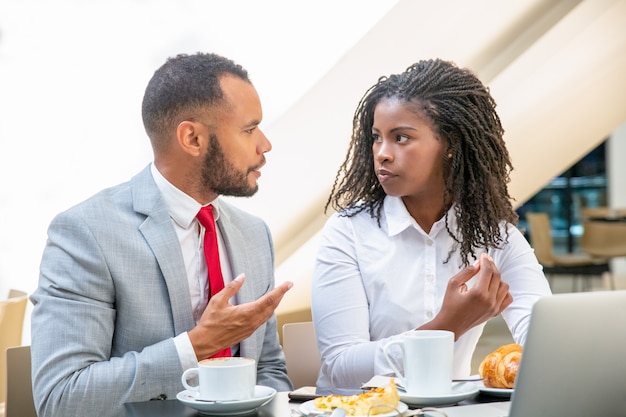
x,y
573,363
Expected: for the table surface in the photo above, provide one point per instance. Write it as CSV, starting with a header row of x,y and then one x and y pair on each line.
x,y
610,219
280,406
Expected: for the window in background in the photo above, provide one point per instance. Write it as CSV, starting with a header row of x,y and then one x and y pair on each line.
x,y
582,185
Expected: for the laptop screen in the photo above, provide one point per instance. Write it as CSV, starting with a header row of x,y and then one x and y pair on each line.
x,y
574,358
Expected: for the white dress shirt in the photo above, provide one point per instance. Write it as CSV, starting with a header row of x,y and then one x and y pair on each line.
x,y
183,210
371,284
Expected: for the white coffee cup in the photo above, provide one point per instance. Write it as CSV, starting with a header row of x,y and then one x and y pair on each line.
x,y
223,379
428,357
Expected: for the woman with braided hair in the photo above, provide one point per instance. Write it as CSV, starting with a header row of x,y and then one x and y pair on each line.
x,y
425,234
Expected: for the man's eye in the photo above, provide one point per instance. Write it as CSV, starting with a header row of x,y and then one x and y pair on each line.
x,y
249,131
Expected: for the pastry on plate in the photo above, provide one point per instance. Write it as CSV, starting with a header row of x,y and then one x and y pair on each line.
x,y
375,401
499,368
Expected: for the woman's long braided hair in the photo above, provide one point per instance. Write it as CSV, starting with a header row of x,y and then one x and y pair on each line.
x,y
477,174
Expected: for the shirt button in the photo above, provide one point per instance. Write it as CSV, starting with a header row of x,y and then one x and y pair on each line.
x,y
429,314
429,242
430,278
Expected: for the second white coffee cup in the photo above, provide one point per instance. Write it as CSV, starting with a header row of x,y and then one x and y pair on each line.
x,y
223,379
428,356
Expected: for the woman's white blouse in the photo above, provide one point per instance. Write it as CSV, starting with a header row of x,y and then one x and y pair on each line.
x,y
371,283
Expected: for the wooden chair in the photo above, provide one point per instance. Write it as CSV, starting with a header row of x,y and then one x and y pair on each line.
x,y
301,354
20,390
604,239
576,265
12,313
589,213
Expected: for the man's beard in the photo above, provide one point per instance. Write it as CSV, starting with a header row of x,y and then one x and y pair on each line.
x,y
220,176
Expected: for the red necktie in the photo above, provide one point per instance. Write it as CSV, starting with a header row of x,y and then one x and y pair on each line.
x,y
212,256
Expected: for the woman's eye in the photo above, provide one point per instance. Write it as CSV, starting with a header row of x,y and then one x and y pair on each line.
x,y
402,138
375,137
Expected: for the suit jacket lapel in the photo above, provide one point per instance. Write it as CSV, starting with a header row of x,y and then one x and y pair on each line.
x,y
160,235
237,253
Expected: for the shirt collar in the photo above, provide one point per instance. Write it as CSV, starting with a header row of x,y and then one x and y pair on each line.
x,y
399,219
181,207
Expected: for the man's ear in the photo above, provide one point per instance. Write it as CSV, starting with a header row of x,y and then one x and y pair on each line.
x,y
191,137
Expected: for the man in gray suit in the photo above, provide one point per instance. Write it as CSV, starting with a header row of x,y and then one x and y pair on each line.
x,y
122,307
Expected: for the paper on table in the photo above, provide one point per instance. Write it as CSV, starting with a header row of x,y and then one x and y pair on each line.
x,y
378,381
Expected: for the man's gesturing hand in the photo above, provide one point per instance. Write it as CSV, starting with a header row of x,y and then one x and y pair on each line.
x,y
223,324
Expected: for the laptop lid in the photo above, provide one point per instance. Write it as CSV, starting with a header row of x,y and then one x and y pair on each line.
x,y
574,358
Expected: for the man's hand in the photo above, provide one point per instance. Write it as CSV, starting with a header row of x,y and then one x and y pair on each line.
x,y
223,324
464,308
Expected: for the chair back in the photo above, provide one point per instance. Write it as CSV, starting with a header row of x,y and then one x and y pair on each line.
x,y
12,312
19,390
605,239
301,353
592,213
541,237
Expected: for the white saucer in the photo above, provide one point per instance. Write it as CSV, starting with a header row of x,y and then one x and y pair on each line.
x,y
307,407
460,391
262,395
496,392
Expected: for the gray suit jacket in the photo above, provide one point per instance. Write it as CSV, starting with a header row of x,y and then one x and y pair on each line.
x,y
113,293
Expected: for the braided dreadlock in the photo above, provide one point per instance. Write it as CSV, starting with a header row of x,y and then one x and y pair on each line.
x,y
463,113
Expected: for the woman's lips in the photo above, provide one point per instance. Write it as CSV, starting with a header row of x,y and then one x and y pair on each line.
x,y
384,175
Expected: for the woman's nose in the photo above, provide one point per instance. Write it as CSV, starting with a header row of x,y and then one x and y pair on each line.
x,y
382,152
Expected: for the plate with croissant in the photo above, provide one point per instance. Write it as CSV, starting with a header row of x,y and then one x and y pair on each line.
x,y
499,370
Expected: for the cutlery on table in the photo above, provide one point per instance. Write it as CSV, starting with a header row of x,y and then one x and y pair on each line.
x,y
469,379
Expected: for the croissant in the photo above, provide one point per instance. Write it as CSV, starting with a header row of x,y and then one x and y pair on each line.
x,y
500,366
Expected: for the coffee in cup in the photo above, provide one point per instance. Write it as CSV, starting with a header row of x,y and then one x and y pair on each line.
x,y
223,379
